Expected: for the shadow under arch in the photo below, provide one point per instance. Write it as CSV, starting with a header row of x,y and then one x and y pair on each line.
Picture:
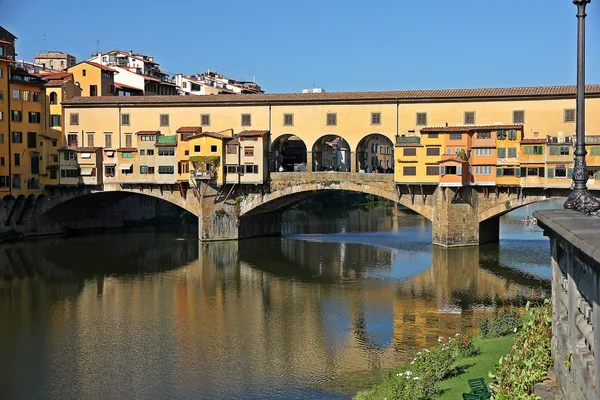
x,y
375,150
331,152
288,152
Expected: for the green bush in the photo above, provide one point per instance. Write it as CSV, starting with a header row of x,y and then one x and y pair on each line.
x,y
499,323
528,360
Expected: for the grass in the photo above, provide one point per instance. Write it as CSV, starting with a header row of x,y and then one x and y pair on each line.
x,y
490,351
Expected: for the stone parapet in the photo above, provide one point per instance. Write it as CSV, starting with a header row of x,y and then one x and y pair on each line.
x,y
575,262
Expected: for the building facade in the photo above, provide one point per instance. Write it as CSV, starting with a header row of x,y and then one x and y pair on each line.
x,y
55,60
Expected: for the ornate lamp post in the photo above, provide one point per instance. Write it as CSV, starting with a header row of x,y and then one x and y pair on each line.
x,y
580,198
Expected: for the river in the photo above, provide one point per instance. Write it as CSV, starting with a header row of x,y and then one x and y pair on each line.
x,y
317,313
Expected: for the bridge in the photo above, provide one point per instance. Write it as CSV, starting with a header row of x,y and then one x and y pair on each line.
x,y
460,216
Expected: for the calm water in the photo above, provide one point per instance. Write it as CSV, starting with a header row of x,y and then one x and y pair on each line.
x,y
155,315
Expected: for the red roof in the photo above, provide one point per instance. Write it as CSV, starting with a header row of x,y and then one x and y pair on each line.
x,y
253,133
127,149
535,140
189,129
209,134
147,132
56,82
469,128
80,149
102,67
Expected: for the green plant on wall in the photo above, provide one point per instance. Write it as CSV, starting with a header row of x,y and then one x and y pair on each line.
x,y
507,204
203,160
462,155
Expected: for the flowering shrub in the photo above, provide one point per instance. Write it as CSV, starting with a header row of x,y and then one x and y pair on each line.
x,y
499,323
528,360
464,346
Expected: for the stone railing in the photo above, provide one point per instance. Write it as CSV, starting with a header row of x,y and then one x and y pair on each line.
x,y
575,261
330,176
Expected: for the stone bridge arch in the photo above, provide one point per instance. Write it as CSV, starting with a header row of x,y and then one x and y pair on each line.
x,y
288,196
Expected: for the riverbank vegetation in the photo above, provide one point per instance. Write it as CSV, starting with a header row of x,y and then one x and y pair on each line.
x,y
511,352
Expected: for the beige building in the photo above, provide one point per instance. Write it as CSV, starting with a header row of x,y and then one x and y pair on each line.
x,y
247,158
55,60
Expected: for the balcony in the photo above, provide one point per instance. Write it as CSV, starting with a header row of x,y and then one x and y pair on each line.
x,y
203,174
488,142
407,140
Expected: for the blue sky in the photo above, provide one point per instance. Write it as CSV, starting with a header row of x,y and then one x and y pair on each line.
x,y
338,45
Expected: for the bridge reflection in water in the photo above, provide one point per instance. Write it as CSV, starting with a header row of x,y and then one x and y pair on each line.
x,y
268,317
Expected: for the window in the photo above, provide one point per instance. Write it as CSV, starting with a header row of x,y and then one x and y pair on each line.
x,y
72,139
512,152
532,172
594,150
248,151
234,169
251,169
518,117
16,184
17,116
484,135
35,164
26,95
55,158
569,115
409,171
108,140
166,151
109,171
558,172
17,159
421,118
1,138
54,142
111,88
531,150
410,151
469,117
143,169
331,119
376,118
164,119
4,180
150,152
501,134
246,119
232,149
83,72
53,98
69,155
197,148
55,120
432,135
483,152
74,117
90,139
36,97
166,169
483,170
502,152
512,134
128,140
124,119
93,90
31,140
559,150
53,174
213,148
17,137
288,119
16,94
205,119
456,136
127,154
432,171
449,150
69,173
142,152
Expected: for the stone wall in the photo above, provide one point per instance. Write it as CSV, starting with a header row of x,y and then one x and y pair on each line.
x,y
575,262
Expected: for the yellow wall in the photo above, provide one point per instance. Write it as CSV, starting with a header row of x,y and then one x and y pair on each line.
x,y
206,143
93,76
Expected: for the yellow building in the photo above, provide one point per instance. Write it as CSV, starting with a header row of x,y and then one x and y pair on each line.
x,y
94,79
7,52
27,125
207,156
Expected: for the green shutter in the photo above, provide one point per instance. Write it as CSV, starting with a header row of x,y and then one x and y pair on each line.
x,y
597,175
498,171
550,172
554,150
518,172
442,170
569,172
502,152
540,149
528,150
63,173
459,170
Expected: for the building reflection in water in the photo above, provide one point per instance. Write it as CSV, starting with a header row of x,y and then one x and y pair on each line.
x,y
263,318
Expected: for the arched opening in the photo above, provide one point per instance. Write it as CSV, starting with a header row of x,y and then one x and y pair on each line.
x,y
288,154
375,152
331,153
53,98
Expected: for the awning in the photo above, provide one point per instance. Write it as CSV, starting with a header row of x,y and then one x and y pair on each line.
x,y
109,164
86,171
125,167
110,153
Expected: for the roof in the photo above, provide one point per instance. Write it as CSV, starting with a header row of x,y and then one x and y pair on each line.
x,y
469,128
55,75
189,129
127,149
56,82
80,149
93,64
147,132
454,159
122,86
253,132
390,96
535,140
214,135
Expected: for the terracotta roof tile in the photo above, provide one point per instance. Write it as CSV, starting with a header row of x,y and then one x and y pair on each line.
x,y
215,135
123,86
535,140
454,159
79,149
127,149
392,96
102,67
56,82
469,128
189,129
253,132
147,132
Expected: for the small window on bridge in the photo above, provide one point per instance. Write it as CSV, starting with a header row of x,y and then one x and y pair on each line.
x,y
288,119
422,118
213,148
409,171
376,118
410,151
469,117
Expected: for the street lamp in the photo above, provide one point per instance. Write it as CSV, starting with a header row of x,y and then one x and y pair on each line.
x,y
580,198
